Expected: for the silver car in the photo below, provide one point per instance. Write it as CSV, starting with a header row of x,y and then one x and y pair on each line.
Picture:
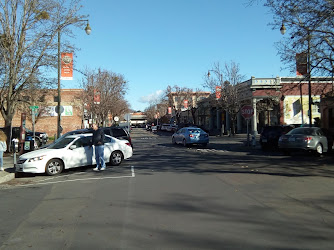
x,y
307,139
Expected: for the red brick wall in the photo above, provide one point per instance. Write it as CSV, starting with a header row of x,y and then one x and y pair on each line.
x,y
48,124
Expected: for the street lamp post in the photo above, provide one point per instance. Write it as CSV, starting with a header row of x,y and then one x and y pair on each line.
x,y
59,111
283,30
309,77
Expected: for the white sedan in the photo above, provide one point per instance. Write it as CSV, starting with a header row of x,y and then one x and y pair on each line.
x,y
71,152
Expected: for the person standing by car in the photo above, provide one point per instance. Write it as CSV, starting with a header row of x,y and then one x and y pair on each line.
x,y
3,147
98,142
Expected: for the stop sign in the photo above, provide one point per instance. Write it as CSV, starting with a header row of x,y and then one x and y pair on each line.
x,y
247,111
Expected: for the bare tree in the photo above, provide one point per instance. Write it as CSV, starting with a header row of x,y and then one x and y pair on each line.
x,y
225,82
310,29
104,94
28,32
181,99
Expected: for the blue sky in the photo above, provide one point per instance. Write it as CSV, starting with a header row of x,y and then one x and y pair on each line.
x,y
156,43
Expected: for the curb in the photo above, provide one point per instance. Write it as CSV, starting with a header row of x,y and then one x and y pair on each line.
x,y
7,177
9,171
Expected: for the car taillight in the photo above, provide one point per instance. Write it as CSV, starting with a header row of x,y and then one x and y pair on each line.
x,y
308,139
128,143
191,135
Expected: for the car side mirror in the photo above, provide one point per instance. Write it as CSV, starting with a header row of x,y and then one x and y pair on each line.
x,y
73,146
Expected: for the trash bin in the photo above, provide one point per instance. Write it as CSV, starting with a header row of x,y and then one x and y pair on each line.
x,y
29,144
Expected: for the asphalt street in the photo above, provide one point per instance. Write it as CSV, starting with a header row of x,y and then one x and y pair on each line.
x,y
166,196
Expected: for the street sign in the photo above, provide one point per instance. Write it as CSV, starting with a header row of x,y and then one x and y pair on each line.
x,y
61,109
247,111
33,107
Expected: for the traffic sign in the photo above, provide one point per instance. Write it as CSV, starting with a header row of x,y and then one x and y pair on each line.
x,y
33,107
247,111
61,109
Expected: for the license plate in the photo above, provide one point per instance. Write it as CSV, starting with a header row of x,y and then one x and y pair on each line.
x,y
292,139
264,140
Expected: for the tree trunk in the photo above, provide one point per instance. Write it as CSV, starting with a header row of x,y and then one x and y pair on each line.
x,y
8,126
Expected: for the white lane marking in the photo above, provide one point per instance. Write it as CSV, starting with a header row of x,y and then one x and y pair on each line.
x,y
133,171
84,179
56,177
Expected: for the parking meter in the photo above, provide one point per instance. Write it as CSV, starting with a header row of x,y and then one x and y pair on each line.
x,y
15,145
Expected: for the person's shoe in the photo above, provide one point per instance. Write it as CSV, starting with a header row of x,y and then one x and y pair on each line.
x,y
103,169
96,169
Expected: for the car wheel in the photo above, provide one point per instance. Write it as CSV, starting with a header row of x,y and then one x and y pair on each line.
x,y
116,158
54,166
173,140
319,149
184,143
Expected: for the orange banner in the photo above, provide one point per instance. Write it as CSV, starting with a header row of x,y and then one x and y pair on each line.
x,y
66,66
97,97
218,92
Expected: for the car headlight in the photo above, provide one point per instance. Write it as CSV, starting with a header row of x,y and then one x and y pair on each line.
x,y
37,158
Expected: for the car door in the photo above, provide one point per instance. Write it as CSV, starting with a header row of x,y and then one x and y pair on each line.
x,y
109,147
80,153
322,139
179,136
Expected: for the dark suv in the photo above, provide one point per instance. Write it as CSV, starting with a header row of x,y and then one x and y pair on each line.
x,y
270,135
117,132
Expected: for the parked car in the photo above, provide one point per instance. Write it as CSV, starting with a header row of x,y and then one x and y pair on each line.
x,y
148,127
70,152
40,137
304,138
270,135
117,132
190,135
169,127
154,129
172,128
165,126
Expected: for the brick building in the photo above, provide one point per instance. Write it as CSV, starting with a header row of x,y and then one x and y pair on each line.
x,y
46,120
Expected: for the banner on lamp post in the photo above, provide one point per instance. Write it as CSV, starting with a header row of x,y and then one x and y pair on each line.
x,y
185,104
97,97
169,110
66,66
218,92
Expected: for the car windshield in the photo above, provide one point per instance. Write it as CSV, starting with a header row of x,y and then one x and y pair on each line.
x,y
194,131
302,131
61,143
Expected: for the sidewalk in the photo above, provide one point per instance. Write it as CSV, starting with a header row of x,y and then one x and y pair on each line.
x,y
236,142
8,165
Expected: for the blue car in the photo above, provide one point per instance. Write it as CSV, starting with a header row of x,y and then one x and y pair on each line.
x,y
190,135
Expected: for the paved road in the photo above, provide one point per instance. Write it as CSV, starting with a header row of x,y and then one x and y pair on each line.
x,y
170,197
